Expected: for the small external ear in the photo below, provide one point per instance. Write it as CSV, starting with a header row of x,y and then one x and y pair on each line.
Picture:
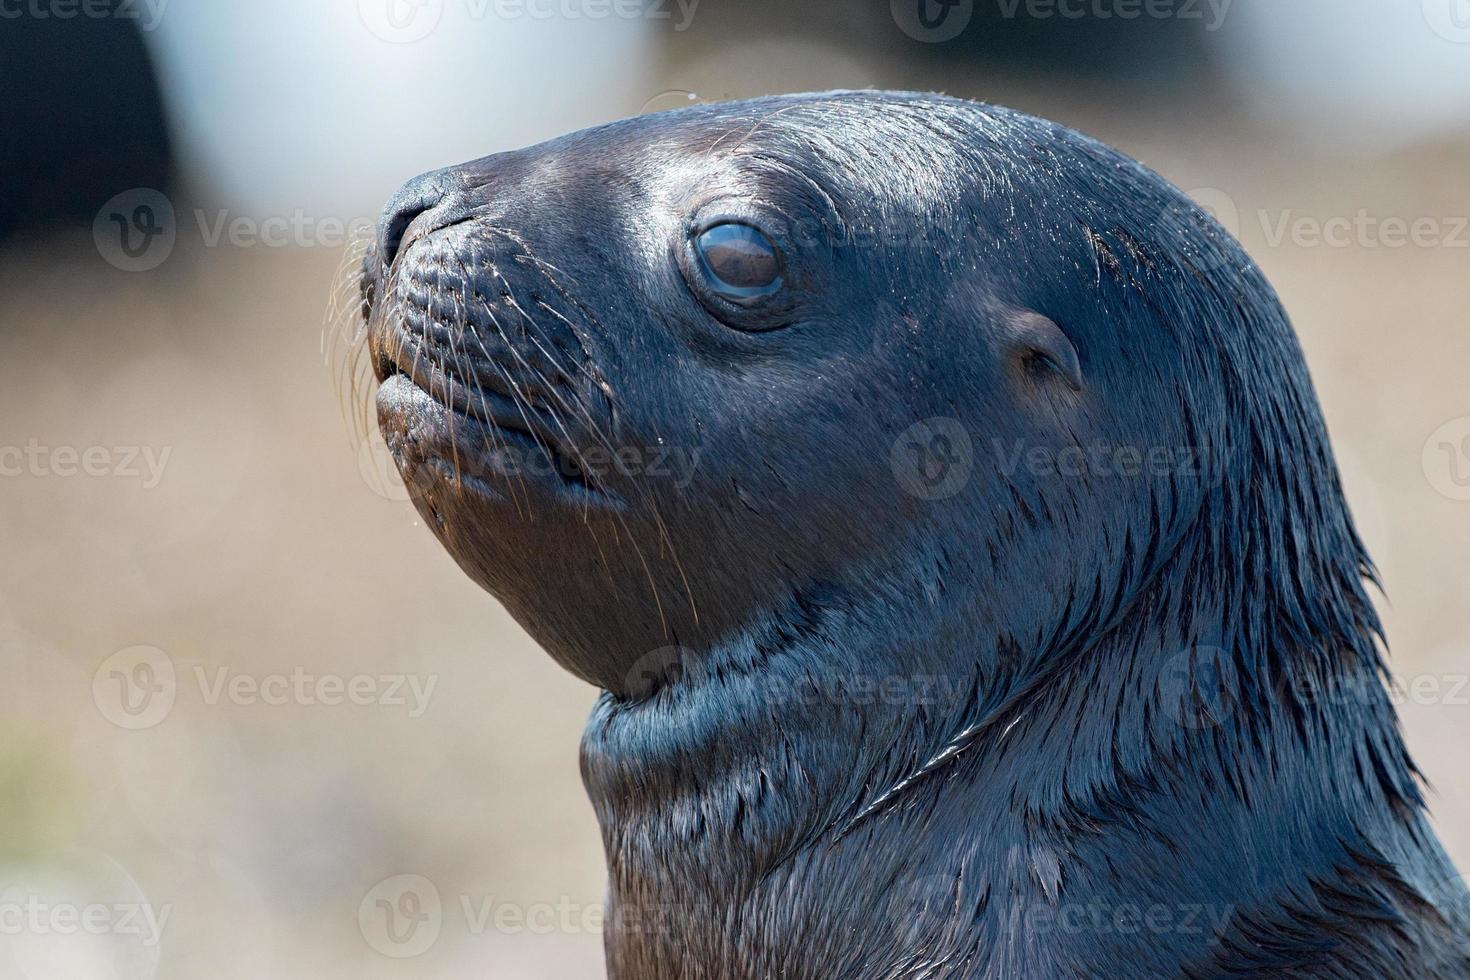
x,y
1039,342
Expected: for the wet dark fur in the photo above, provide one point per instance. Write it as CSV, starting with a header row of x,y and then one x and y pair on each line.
x,y
1101,724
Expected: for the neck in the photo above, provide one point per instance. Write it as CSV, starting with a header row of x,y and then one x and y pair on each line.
x,y
1079,811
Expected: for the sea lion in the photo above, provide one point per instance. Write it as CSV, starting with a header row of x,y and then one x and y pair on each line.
x,y
1001,623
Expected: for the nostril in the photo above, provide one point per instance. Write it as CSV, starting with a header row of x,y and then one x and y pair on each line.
x,y
391,237
413,199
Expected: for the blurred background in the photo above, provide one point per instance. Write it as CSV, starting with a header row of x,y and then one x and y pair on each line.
x,y
255,722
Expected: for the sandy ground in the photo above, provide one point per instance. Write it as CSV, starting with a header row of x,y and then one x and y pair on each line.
x,y
265,545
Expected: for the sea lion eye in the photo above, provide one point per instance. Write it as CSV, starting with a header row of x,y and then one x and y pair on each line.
x,y
739,261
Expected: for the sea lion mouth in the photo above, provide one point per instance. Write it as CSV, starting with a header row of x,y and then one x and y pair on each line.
x,y
482,380
441,424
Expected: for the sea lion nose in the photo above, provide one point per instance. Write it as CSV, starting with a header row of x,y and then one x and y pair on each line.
x,y
434,191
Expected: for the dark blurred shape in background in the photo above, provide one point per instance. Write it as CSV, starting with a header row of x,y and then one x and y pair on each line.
x,y
81,119
1106,44
1097,48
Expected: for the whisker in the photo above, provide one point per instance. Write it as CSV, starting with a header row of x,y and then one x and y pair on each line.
x,y
647,496
344,338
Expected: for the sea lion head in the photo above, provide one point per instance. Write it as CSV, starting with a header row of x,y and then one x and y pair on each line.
x,y
732,370
872,390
